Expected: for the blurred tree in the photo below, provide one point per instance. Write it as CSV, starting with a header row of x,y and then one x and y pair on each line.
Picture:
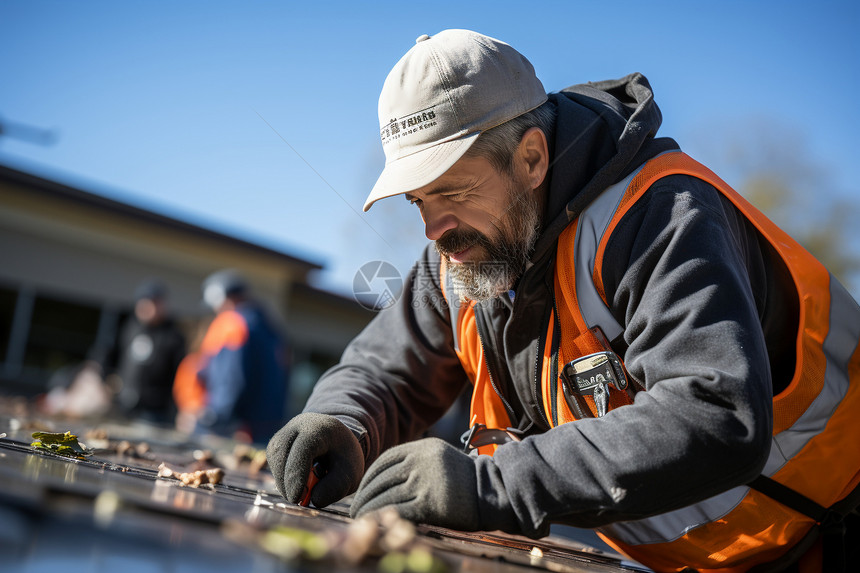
x,y
770,164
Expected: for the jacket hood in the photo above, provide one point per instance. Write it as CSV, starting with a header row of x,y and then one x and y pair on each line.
x,y
604,130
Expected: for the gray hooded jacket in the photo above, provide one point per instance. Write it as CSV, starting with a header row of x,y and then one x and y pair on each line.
x,y
700,297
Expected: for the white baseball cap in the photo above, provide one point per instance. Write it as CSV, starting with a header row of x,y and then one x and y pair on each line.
x,y
439,97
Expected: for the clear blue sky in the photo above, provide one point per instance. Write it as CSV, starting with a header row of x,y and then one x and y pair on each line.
x,y
160,103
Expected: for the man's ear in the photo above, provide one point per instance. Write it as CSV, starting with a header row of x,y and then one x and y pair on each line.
x,y
533,156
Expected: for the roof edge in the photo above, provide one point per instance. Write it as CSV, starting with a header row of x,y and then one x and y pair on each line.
x,y
93,200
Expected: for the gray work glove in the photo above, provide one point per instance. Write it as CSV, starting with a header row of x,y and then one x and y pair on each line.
x,y
426,481
311,437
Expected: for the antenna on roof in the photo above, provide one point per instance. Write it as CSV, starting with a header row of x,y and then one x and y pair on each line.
x,y
27,133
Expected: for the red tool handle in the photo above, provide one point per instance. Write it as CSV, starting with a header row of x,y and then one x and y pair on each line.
x,y
313,479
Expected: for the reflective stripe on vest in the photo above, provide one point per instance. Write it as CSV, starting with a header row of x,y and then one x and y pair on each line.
x,y
590,229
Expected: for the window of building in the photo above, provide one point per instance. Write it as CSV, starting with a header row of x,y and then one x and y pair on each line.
x,y
61,334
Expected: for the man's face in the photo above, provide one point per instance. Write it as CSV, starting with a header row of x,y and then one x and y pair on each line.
x,y
149,311
484,224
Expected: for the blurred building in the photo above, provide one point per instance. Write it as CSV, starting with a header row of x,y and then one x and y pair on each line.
x,y
70,261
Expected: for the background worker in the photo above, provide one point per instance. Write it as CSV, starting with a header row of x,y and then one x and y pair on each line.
x,y
568,239
146,355
243,363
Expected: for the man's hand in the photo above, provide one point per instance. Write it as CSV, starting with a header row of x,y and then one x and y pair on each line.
x,y
310,438
426,481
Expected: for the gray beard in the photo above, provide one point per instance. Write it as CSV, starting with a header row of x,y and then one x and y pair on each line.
x,y
505,258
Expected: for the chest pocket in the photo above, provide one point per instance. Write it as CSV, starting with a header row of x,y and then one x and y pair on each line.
x,y
581,323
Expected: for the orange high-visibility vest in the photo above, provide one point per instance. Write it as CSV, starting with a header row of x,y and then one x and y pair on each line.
x,y
815,449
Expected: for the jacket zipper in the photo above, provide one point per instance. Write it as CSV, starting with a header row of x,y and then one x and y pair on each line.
x,y
481,326
541,343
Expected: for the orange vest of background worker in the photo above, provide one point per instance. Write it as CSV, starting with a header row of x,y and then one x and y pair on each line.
x,y
815,447
189,393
